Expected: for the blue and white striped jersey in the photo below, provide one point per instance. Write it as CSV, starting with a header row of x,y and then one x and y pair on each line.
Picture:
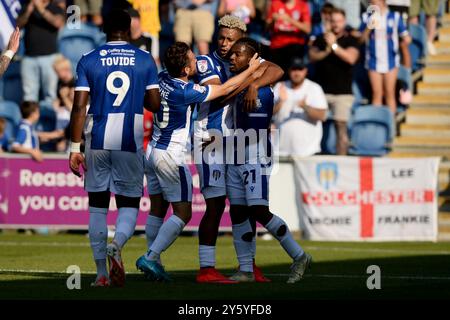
x,y
211,114
26,136
382,49
117,75
172,122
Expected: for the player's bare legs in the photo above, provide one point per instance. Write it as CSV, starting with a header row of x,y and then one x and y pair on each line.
x,y
280,231
389,80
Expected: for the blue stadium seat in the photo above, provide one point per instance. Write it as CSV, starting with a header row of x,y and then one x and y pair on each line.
x,y
10,111
418,46
371,131
73,43
329,137
12,83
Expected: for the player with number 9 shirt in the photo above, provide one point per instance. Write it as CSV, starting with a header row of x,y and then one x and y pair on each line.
x,y
120,81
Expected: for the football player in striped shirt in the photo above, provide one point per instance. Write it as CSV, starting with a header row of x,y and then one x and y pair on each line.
x,y
169,179
248,176
214,121
120,81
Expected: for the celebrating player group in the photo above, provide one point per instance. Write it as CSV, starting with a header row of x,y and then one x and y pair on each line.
x,y
229,90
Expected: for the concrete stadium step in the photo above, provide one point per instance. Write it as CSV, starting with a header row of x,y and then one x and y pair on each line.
x,y
442,47
428,115
418,153
440,59
434,89
444,204
445,19
432,100
425,130
436,75
424,142
444,34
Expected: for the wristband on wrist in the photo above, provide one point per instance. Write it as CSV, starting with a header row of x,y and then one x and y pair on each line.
x,y
9,54
75,147
334,46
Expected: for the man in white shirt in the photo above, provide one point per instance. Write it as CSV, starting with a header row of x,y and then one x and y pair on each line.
x,y
300,108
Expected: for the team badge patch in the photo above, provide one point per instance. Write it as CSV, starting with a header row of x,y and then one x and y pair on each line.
x,y
202,66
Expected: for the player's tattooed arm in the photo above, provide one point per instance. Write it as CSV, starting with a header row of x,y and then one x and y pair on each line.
x,y
4,63
152,100
13,46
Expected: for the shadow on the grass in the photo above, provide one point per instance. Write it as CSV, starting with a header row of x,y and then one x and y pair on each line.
x,y
412,277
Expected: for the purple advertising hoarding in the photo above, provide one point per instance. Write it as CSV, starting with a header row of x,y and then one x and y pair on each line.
x,y
47,194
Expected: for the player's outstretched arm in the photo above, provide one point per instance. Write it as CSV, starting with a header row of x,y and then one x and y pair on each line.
x,y
77,119
234,82
152,100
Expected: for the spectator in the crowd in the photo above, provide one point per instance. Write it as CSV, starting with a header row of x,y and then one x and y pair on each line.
x,y
63,103
138,38
194,19
41,19
402,7
335,53
384,33
352,9
290,23
300,108
92,9
27,140
243,9
149,23
431,9
11,50
325,22
4,139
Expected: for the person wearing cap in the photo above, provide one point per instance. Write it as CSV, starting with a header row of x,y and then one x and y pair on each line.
x,y
300,108
335,53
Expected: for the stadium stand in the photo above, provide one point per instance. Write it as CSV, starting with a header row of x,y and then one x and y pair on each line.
x,y
372,130
10,111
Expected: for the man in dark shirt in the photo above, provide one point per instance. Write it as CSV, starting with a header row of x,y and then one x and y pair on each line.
x,y
139,38
42,20
335,53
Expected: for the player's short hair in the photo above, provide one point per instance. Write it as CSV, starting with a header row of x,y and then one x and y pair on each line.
x,y
232,22
2,125
251,45
117,21
27,108
176,58
338,11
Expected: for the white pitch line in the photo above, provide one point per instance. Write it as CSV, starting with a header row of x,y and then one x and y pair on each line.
x,y
132,245
337,276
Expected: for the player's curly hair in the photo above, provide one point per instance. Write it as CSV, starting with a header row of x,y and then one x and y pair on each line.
x,y
176,58
232,22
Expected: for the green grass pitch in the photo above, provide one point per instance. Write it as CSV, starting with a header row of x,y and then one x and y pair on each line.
x,y
33,267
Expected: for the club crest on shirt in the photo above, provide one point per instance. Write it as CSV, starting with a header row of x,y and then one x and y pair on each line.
x,y
202,66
